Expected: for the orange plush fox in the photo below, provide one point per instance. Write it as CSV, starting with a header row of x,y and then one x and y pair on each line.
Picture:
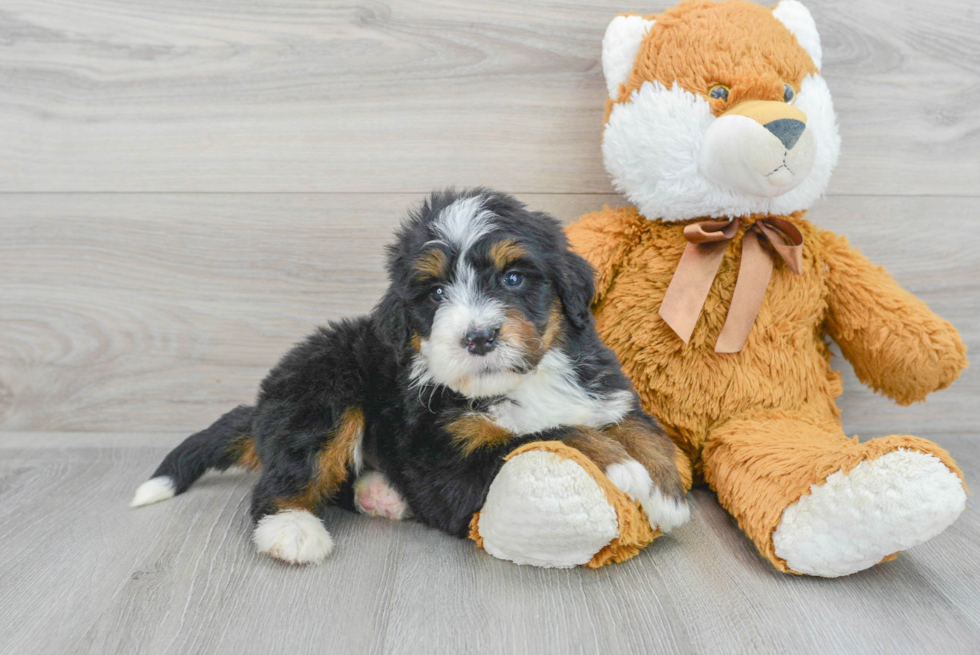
x,y
718,295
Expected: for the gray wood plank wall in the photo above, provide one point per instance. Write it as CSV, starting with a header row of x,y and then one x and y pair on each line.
x,y
188,187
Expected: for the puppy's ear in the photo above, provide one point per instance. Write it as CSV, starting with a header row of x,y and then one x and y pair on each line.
x,y
391,318
575,285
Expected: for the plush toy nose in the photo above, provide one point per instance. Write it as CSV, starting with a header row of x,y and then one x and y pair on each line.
x,y
785,122
787,130
480,342
758,147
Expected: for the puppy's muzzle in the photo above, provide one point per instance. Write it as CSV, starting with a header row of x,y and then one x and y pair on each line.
x,y
480,341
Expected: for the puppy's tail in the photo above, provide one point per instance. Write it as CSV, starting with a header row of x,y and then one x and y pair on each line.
x,y
226,443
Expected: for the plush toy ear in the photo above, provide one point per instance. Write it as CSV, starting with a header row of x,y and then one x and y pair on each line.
x,y
797,19
575,286
619,47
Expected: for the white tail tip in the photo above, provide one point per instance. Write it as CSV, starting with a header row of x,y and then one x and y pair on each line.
x,y
153,491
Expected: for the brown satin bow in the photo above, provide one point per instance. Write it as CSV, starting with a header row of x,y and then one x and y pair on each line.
x,y
699,264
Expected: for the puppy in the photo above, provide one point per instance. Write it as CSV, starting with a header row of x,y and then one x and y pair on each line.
x,y
483,341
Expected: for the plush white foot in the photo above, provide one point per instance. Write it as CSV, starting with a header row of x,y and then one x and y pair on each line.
x,y
880,507
293,535
153,491
546,511
374,496
632,479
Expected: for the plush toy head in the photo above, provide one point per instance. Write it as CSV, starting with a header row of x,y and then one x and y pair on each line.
x,y
718,109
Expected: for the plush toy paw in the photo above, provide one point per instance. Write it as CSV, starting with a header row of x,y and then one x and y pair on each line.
x,y
882,506
551,506
374,496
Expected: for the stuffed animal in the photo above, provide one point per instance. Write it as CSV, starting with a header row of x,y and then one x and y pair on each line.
x,y
552,506
719,296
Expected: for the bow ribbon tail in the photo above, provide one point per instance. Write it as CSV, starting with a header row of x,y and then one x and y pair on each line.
x,y
750,288
783,239
689,287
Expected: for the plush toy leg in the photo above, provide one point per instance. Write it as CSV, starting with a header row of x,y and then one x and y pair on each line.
x,y
817,503
551,506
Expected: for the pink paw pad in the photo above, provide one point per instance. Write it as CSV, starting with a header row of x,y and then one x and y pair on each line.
x,y
373,496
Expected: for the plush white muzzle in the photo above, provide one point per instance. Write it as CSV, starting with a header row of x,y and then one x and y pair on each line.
x,y
674,159
745,156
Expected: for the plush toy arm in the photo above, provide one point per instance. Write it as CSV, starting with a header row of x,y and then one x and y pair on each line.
x,y
604,238
895,343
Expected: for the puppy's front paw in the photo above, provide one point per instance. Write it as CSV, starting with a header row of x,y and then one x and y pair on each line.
x,y
293,535
374,496
662,511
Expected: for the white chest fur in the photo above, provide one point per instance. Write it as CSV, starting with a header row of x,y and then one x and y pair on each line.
x,y
551,396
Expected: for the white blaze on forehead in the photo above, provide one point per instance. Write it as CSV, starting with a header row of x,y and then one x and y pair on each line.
x,y
463,223
443,358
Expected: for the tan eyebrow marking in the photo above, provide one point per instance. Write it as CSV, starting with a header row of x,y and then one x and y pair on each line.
x,y
504,252
432,263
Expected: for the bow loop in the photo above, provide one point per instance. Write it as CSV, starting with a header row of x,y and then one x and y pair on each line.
x,y
785,240
711,231
707,241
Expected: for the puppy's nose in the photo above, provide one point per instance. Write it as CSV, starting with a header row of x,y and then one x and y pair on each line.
x,y
480,342
787,130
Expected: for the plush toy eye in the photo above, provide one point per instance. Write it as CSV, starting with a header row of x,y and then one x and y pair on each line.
x,y
438,294
719,92
513,280
788,93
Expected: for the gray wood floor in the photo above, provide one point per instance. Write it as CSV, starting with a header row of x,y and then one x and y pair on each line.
x,y
80,572
187,187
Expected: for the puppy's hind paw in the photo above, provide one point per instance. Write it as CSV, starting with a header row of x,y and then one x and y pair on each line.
x,y
293,535
374,496
663,512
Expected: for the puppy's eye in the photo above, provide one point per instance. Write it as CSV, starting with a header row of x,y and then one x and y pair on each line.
x,y
719,92
788,93
438,293
513,279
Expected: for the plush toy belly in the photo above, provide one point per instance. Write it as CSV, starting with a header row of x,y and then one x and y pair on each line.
x,y
689,386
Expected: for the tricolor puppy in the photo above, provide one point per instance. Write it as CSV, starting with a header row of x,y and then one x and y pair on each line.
x,y
483,341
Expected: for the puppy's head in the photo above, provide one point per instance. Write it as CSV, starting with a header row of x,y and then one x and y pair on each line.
x,y
481,289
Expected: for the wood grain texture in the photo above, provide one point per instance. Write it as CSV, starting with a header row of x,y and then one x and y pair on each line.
x,y
143,306
82,573
368,96
159,312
